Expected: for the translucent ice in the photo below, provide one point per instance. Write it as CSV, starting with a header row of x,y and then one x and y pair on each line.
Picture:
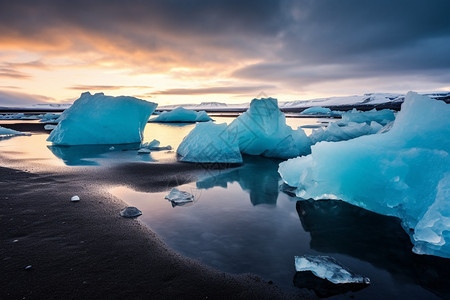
x,y
333,132
6,132
181,115
403,172
316,110
75,198
383,116
100,119
209,143
153,146
328,268
178,197
262,130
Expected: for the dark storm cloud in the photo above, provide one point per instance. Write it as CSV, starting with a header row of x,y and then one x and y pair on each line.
x,y
294,41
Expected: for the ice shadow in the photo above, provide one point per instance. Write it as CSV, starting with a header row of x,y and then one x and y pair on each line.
x,y
258,176
338,227
91,155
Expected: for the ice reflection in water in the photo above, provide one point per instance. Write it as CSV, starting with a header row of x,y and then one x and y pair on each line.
x,y
240,223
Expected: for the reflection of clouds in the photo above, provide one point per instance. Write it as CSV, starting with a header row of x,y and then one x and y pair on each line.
x,y
258,176
338,227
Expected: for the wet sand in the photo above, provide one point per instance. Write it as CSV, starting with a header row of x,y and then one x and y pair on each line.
x,y
86,250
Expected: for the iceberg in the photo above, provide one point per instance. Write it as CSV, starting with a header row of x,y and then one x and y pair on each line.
x,y
182,115
262,130
50,118
316,110
403,172
100,119
209,143
334,133
382,117
6,132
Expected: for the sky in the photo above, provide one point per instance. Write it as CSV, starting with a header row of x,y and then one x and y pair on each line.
x,y
175,52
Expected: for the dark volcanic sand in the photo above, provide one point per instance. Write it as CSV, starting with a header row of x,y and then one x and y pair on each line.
x,y
86,250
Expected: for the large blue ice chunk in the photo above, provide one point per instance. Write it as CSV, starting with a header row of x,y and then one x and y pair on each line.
x,y
334,133
181,115
100,119
383,116
209,143
403,172
262,130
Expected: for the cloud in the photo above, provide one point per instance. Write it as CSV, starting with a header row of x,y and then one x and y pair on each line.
x,y
8,98
214,90
105,87
284,43
11,73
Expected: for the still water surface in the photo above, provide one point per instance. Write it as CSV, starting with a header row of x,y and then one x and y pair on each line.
x,y
241,222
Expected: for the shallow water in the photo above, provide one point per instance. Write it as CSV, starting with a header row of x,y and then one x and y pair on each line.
x,y
240,222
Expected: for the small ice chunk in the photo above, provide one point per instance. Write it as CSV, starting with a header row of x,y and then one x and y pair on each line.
x,y
27,268
75,198
179,197
49,127
328,268
144,151
6,132
153,146
182,115
130,212
316,110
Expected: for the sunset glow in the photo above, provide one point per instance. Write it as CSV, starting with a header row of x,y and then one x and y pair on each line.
x,y
174,52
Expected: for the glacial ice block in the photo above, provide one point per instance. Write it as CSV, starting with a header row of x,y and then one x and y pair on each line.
x,y
262,130
100,119
328,268
316,110
181,115
382,117
334,133
399,173
209,143
6,132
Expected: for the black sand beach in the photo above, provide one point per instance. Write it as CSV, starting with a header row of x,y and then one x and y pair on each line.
x,y
52,248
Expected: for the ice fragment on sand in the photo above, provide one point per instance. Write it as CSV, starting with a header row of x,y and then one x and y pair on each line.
x,y
328,268
100,119
130,212
179,197
181,115
75,198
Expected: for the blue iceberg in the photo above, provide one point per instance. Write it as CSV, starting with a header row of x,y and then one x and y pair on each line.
x,y
403,172
182,115
100,119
